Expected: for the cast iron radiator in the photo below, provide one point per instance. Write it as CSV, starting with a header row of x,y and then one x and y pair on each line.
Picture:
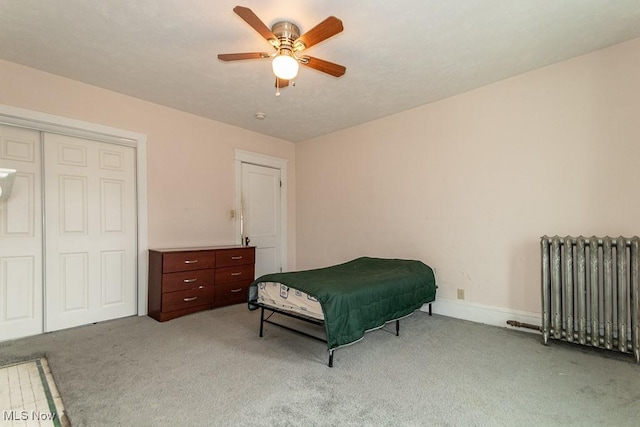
x,y
590,292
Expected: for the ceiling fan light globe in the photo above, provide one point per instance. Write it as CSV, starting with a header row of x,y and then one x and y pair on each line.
x,y
285,67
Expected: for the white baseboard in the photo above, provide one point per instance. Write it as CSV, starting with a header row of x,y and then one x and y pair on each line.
x,y
490,315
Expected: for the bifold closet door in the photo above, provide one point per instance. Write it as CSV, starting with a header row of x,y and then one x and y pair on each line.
x,y
90,232
21,236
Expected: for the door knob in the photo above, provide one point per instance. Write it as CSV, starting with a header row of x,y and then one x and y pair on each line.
x,y
246,241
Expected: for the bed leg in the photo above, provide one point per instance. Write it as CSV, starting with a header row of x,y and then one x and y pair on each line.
x,y
397,328
430,309
261,320
331,358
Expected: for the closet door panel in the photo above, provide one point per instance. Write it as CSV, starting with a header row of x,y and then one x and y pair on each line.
x,y
90,231
21,297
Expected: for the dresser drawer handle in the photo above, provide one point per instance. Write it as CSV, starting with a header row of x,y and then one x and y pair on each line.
x,y
190,261
190,280
237,274
190,299
200,287
236,290
236,257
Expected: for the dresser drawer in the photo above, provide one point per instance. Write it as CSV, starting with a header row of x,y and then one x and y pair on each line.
x,y
237,256
187,298
233,293
234,274
184,261
183,280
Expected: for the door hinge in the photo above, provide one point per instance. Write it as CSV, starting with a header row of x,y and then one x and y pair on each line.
x,y
280,184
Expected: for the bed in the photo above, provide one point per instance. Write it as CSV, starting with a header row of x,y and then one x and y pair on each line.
x,y
347,299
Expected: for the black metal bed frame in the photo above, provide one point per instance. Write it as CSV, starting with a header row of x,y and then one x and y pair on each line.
x,y
303,318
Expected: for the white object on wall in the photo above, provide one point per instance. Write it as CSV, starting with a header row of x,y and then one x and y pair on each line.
x,y
6,182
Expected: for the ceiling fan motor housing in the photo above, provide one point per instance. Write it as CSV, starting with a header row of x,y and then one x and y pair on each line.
x,y
287,32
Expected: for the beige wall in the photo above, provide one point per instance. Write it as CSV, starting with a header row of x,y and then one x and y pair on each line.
x,y
469,184
190,159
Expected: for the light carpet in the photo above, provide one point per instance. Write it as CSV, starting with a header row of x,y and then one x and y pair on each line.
x,y
212,368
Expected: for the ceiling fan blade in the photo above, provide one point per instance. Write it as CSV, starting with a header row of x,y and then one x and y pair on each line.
x,y
280,83
239,56
252,19
324,66
327,28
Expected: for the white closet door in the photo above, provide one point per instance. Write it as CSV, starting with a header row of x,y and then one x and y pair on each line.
x,y
21,236
261,215
90,205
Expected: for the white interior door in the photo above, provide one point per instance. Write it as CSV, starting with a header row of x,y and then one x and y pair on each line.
x,y
21,236
261,215
90,205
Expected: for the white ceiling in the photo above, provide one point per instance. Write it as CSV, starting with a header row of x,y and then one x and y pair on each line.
x,y
399,54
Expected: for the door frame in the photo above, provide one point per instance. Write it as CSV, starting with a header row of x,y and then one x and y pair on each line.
x,y
243,156
44,122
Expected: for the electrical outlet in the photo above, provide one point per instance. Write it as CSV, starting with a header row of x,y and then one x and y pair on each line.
x,y
460,293
232,213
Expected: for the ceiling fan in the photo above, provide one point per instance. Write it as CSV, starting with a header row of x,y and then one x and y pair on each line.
x,y
285,38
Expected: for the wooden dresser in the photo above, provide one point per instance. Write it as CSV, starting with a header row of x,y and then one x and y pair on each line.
x,y
186,280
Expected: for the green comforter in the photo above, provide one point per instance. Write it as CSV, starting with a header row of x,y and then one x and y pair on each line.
x,y
362,294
